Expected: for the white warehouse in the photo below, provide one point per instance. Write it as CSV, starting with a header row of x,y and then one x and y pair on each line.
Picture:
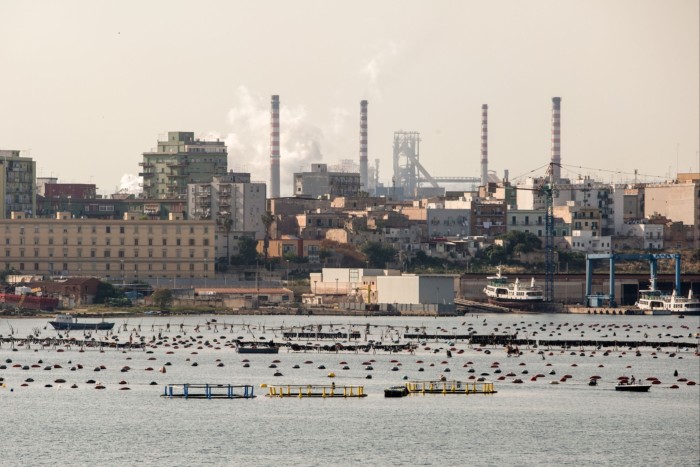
x,y
411,289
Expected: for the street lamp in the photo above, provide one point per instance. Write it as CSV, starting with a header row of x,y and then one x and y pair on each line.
x,y
336,286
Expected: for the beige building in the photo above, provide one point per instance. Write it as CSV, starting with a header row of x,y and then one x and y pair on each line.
x,y
125,249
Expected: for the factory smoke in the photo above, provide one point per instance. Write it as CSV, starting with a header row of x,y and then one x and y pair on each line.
x,y
301,141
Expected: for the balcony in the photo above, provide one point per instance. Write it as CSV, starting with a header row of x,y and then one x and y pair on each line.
x,y
146,165
146,174
183,163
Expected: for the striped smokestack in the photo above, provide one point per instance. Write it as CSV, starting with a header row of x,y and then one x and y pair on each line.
x,y
364,180
484,145
556,139
275,148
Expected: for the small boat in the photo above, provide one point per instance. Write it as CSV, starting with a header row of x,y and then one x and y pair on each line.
x,y
593,382
632,387
396,391
66,322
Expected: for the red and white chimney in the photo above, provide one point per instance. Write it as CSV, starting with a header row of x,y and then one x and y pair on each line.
x,y
556,139
364,177
275,148
484,145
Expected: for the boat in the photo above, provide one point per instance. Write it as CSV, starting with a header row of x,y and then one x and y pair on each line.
x,y
500,291
632,387
655,302
396,391
66,322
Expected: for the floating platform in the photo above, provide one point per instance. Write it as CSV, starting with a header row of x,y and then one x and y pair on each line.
x,y
450,387
313,390
208,391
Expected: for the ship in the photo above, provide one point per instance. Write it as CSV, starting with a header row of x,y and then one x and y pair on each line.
x,y
65,322
655,302
501,292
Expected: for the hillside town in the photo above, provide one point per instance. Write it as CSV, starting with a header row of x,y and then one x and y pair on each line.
x,y
215,237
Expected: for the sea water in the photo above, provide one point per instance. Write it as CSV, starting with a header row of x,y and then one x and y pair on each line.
x,y
533,423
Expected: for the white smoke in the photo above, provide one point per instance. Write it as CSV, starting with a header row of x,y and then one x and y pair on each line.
x,y
301,141
377,64
130,184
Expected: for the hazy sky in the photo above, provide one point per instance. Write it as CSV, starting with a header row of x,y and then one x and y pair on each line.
x,y
87,86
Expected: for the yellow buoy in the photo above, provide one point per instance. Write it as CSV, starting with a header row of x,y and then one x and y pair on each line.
x,y
331,375
263,385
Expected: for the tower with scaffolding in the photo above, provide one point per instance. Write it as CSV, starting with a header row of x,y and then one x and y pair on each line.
x,y
410,175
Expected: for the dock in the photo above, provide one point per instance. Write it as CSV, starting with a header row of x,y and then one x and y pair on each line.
x,y
450,387
479,307
208,391
314,390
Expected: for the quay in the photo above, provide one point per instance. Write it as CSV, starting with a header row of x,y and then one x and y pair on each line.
x,y
449,387
55,342
311,390
208,391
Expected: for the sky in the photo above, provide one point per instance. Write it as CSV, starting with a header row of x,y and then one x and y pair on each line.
x,y
87,86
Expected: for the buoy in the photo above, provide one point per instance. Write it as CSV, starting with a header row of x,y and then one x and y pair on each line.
x,y
331,375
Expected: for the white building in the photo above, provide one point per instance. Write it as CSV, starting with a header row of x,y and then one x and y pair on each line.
x,y
411,289
586,241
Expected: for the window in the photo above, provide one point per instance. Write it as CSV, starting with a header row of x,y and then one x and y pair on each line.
x,y
177,242
136,242
107,253
50,240
165,242
191,241
121,229
121,253
206,242
108,229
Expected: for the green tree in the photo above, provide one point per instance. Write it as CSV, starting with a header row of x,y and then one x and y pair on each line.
x,y
247,252
162,298
496,254
106,291
520,242
267,219
378,254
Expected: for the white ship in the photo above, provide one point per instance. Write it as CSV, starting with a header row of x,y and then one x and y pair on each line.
x,y
656,302
500,291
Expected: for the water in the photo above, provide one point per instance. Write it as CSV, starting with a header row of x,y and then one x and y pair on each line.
x,y
523,424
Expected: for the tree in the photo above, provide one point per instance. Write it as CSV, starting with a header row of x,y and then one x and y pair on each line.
x,y
520,242
225,223
106,291
378,254
496,254
247,252
267,219
162,298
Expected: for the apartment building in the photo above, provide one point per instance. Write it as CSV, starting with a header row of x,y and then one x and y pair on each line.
x,y
125,249
179,161
17,183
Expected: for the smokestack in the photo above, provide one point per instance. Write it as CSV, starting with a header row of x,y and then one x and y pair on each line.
x,y
363,146
275,148
556,139
484,145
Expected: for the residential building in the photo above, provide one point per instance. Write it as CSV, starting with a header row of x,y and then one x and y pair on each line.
x,y
179,161
488,217
124,249
17,183
320,183
235,204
